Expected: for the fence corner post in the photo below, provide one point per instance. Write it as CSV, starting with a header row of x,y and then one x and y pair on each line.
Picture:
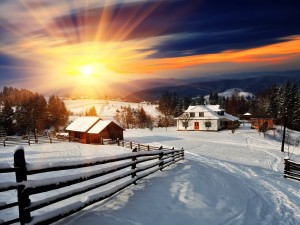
x,y
21,175
133,166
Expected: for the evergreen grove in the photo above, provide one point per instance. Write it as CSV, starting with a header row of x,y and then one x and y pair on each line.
x,y
22,112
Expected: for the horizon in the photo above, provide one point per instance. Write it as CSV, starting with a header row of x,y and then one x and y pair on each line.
x,y
76,45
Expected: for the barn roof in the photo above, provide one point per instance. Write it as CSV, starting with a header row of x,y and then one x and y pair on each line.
x,y
101,125
83,124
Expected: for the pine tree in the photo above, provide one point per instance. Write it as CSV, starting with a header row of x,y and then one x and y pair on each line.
x,y
7,115
58,113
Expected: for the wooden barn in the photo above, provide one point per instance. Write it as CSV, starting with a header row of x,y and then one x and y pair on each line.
x,y
88,129
105,129
80,126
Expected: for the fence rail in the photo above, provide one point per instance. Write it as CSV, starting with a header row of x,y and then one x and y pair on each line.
x,y
291,169
122,170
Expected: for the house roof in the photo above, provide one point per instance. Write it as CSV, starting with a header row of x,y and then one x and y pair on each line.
x,y
247,114
101,125
210,112
229,117
83,124
215,108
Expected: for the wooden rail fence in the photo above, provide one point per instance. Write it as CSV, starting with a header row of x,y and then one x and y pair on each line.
x,y
30,140
129,168
291,169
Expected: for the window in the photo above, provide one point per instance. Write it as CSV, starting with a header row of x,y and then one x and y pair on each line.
x,y
208,124
192,114
201,114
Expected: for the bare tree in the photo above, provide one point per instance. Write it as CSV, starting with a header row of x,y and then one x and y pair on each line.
x,y
185,118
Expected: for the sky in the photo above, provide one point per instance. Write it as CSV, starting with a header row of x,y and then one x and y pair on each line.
x,y
49,45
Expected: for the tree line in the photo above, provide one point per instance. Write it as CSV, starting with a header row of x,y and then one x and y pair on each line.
x,y
22,112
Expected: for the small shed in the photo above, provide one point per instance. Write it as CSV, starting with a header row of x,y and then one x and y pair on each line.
x,y
247,116
105,129
80,126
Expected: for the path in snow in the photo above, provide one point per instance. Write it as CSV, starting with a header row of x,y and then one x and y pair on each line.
x,y
226,179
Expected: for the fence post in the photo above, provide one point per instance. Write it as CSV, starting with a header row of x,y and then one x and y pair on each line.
x,y
161,147
131,145
133,166
182,153
4,143
122,143
21,175
35,136
101,141
161,154
28,140
148,147
118,141
286,167
173,155
139,147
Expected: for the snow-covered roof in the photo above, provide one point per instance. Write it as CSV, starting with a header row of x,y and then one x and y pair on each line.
x,y
229,117
247,114
100,125
210,112
215,108
83,124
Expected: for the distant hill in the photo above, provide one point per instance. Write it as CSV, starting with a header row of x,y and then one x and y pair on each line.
x,y
230,92
253,85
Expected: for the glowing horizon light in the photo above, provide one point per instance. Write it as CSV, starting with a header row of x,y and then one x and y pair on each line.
x,y
86,70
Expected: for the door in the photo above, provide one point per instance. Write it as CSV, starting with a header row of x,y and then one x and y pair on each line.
x,y
196,125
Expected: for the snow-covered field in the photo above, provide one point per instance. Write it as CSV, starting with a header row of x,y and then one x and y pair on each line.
x,y
225,179
107,108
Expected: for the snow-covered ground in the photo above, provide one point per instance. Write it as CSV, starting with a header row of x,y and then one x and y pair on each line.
x,y
225,179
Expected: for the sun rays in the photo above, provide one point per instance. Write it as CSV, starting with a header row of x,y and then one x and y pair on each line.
x,y
88,42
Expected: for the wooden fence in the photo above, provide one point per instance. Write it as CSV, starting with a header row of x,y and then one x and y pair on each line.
x,y
291,169
29,140
123,170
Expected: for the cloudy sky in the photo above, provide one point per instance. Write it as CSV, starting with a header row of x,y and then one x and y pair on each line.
x,y
46,44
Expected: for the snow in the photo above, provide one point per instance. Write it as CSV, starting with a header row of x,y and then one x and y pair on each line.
x,y
225,179
83,124
228,93
107,108
100,125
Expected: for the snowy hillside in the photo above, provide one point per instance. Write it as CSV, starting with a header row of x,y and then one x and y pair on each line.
x,y
232,179
107,108
230,92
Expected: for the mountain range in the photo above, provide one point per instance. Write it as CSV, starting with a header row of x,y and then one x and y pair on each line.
x,y
249,82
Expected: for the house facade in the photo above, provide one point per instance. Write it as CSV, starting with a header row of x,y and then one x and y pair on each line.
x,y
206,118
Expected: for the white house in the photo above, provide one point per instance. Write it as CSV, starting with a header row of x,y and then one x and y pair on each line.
x,y
207,118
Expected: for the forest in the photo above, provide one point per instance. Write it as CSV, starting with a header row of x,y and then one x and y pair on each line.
x,y
22,112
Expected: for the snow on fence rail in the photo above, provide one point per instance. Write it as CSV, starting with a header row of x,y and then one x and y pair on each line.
x,y
291,169
122,170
